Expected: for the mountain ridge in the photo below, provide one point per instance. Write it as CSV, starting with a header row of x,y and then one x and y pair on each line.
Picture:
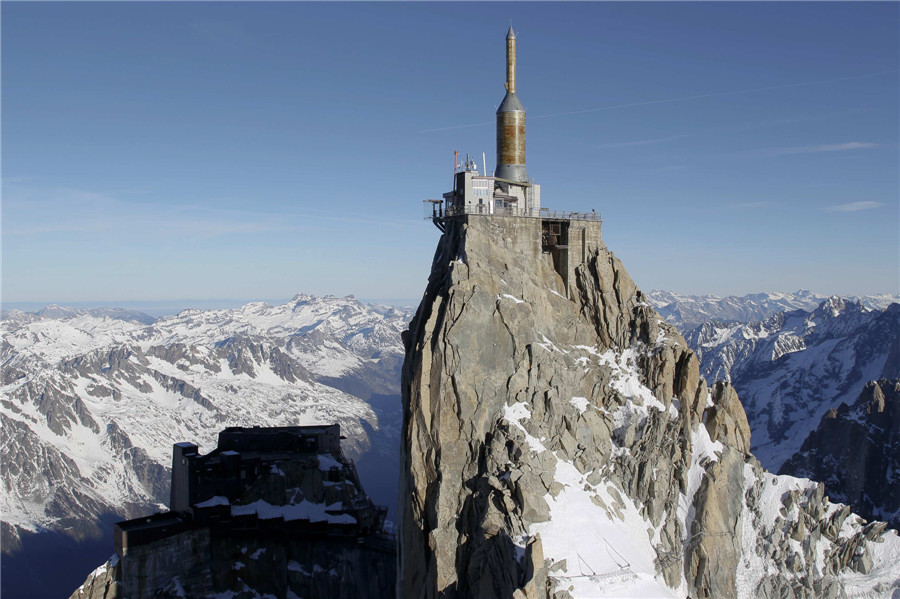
x,y
854,451
687,311
792,367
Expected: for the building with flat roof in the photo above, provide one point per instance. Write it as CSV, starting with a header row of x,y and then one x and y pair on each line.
x,y
279,480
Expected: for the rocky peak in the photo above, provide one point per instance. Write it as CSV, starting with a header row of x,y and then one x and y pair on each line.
x,y
558,441
833,306
834,315
854,451
873,396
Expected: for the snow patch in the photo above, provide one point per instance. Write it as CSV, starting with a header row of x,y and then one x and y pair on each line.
x,y
514,414
513,298
214,501
580,403
626,379
305,510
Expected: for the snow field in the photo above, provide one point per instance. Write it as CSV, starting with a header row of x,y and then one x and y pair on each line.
x,y
605,556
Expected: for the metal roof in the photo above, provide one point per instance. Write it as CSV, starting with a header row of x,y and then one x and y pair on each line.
x,y
511,103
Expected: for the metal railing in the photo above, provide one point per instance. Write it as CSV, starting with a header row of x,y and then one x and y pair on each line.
x,y
483,210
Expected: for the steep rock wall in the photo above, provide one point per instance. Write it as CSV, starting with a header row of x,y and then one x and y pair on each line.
x,y
559,446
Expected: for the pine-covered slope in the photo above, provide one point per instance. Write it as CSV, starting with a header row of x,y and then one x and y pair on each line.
x,y
91,404
569,447
794,367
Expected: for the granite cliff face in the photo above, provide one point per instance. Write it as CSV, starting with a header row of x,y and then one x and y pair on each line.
x,y
560,446
855,451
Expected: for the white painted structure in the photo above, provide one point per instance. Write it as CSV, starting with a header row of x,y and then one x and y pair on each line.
x,y
476,193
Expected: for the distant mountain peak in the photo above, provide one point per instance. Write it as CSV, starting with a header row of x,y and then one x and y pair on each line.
x,y
686,311
794,366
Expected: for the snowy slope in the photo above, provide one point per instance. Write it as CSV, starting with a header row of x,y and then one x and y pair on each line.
x,y
793,367
92,401
602,542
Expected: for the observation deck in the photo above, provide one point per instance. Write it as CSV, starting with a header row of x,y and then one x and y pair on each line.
x,y
438,211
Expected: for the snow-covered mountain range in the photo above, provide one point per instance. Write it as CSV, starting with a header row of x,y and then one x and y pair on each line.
x,y
686,311
793,367
63,312
92,400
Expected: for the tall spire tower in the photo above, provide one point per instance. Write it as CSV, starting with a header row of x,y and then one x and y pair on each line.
x,y
511,123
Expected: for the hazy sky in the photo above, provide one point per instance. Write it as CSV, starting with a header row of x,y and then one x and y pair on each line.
x,y
228,150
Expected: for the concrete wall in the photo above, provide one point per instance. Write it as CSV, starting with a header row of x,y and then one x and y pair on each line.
x,y
183,457
522,235
584,238
148,570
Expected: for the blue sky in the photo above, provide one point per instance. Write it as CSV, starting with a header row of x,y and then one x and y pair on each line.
x,y
156,151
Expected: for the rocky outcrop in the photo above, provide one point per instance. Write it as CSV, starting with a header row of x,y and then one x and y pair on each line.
x,y
726,419
567,446
855,451
102,583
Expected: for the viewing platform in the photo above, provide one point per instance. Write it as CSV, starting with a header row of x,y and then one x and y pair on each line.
x,y
437,211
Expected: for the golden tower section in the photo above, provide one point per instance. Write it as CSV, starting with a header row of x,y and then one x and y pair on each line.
x,y
511,123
